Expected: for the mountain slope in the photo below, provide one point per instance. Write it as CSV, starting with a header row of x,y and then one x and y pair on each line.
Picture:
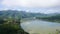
x,y
23,14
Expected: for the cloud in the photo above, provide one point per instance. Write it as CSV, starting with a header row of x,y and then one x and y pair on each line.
x,y
31,3
52,11
45,10
42,6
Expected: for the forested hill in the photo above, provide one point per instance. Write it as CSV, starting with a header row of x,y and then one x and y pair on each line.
x,y
20,14
53,17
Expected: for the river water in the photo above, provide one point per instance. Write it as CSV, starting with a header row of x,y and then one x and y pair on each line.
x,y
40,27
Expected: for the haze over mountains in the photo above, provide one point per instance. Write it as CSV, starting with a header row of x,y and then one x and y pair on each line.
x,y
20,13
24,14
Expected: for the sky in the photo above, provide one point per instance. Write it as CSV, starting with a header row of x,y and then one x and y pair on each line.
x,y
37,6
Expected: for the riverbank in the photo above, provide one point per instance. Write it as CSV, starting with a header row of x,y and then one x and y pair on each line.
x,y
50,19
56,21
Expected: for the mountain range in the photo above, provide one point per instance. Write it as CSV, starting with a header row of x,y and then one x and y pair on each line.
x,y
24,14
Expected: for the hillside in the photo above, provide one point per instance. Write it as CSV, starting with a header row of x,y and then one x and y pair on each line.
x,y
52,17
22,14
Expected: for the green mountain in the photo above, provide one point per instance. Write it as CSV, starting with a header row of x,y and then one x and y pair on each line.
x,y
20,14
51,17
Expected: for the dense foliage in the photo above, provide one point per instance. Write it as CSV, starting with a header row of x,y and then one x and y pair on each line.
x,y
10,23
55,18
21,14
11,26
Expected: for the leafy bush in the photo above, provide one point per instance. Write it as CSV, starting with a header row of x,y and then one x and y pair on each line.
x,y
11,26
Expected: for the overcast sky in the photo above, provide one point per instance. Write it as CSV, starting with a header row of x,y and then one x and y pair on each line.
x,y
43,6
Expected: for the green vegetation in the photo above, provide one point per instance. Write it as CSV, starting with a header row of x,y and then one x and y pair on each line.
x,y
20,14
11,26
55,18
10,20
10,23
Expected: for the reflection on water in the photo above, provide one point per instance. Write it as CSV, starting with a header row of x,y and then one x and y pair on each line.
x,y
40,27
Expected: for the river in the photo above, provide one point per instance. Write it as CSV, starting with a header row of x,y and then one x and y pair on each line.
x,y
40,27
